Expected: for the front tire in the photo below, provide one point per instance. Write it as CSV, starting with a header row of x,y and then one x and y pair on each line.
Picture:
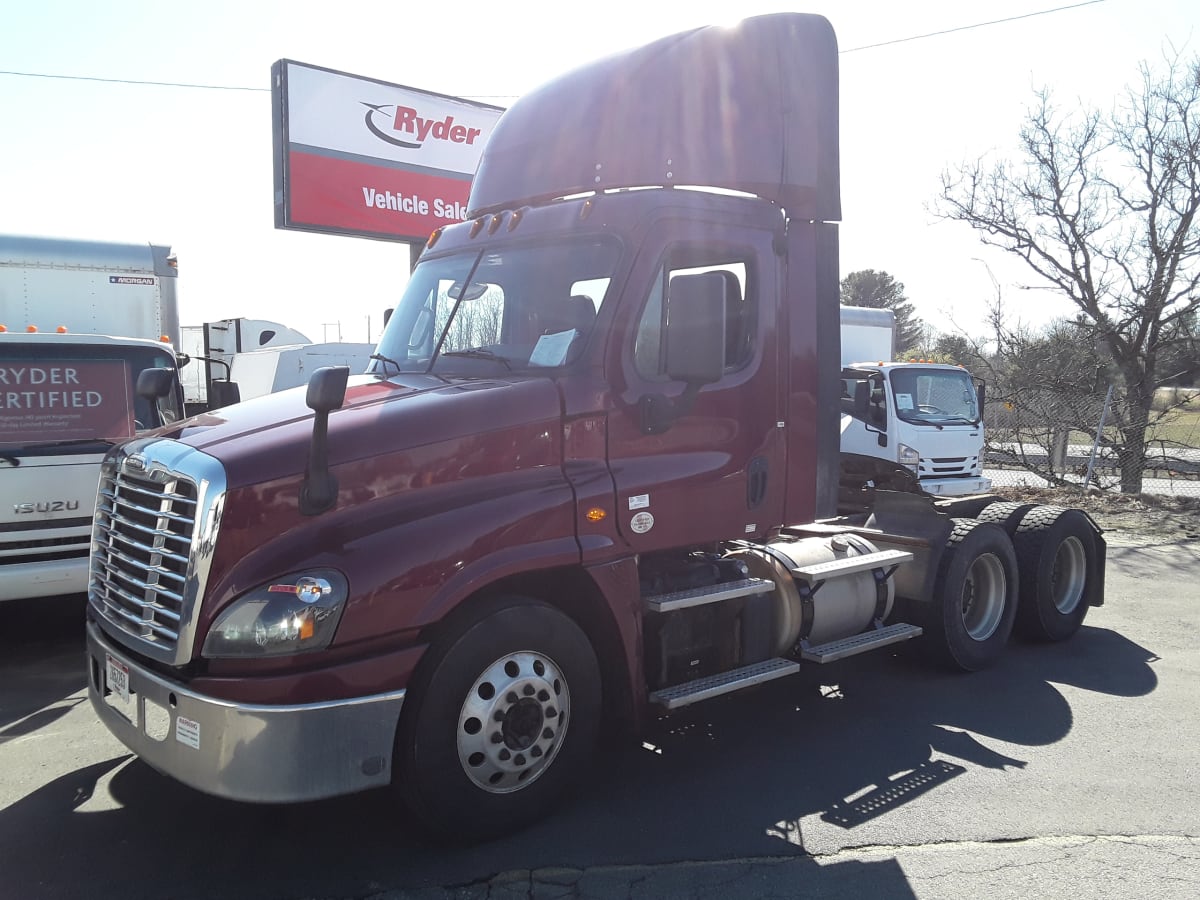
x,y
500,722
976,596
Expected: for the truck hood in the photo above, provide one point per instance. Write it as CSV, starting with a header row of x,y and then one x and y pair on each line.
x,y
268,437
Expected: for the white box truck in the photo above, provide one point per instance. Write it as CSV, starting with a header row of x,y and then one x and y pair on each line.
x,y
927,417
80,322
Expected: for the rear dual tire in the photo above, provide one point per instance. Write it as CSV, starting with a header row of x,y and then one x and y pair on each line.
x,y
970,621
1058,561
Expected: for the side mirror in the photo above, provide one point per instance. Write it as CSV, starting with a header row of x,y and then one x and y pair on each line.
x,y
695,346
155,383
695,351
327,388
980,395
223,393
326,392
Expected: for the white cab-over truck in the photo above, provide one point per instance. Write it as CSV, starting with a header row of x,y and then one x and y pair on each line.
x,y
80,321
927,417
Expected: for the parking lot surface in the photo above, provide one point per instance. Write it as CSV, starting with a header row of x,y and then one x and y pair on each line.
x,y
1065,771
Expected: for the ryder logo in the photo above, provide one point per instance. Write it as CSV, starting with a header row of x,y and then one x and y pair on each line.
x,y
403,127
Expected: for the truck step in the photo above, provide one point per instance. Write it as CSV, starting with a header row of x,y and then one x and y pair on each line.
x,y
714,593
851,564
860,643
726,682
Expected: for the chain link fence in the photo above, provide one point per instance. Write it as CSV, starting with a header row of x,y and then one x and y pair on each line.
x,y
1046,438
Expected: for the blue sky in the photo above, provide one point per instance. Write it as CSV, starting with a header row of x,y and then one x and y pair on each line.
x,y
193,168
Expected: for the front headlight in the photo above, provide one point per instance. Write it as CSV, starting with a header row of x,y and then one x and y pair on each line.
x,y
294,614
908,456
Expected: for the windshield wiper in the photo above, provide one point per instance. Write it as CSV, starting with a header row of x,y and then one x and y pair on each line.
x,y
385,360
479,353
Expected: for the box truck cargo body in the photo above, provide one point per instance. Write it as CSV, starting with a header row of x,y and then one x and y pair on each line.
x,y
80,321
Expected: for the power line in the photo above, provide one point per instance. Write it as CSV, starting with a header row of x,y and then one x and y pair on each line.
x,y
918,37
224,87
180,84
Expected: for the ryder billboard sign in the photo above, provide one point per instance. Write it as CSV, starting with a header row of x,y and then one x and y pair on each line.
x,y
359,156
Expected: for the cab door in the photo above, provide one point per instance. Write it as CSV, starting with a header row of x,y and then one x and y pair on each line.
x,y
715,470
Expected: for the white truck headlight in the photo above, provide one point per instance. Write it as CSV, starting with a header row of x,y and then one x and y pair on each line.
x,y
908,456
293,614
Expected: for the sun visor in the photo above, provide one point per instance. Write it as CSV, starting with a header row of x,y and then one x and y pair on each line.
x,y
750,107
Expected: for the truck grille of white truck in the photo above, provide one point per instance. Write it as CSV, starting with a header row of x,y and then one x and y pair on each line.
x,y
948,467
145,571
25,549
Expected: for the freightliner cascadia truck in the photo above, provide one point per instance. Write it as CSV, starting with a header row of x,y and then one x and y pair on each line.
x,y
79,322
592,476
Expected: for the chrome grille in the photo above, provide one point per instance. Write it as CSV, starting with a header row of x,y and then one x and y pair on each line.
x,y
142,540
158,513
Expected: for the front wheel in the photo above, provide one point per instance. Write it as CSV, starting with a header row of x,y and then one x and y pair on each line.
x,y
500,722
975,596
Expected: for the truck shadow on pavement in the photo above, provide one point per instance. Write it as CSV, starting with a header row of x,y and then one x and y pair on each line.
x,y
736,778
41,661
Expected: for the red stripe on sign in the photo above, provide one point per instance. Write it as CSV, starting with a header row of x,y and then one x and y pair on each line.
x,y
343,195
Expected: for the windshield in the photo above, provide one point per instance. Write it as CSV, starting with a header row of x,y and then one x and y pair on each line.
x,y
54,395
935,396
522,308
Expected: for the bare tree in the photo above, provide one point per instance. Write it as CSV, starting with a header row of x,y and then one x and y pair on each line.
x,y
1103,207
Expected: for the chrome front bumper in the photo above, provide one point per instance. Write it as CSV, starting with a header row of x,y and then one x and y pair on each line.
x,y
263,754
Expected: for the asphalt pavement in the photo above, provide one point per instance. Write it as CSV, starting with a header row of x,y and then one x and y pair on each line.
x,y
1065,771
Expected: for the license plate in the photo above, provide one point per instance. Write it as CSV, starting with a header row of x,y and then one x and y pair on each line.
x,y
117,676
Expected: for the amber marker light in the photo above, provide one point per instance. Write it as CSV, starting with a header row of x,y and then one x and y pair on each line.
x,y
516,219
61,329
31,329
494,225
3,329
476,226
596,514
433,238
586,209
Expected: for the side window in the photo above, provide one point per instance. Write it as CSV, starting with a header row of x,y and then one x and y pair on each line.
x,y
741,307
873,387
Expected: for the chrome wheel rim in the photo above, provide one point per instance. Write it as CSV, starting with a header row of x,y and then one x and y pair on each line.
x,y
1068,576
513,722
983,596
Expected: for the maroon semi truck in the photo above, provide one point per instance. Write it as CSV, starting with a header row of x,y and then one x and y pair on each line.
x,y
593,475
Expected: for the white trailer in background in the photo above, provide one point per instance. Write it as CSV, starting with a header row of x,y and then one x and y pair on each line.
x,y
273,369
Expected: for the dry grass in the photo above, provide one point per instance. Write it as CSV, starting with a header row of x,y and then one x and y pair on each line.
x,y
1151,518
